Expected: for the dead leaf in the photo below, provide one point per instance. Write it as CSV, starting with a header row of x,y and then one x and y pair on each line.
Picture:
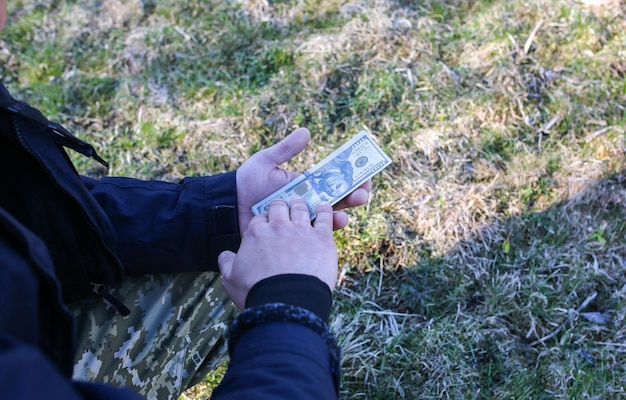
x,y
597,317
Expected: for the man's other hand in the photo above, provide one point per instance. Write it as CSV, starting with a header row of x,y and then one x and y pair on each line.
x,y
284,241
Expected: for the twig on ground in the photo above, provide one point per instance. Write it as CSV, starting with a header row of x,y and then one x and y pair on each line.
x,y
562,325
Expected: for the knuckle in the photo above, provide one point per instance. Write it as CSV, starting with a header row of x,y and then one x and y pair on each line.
x,y
253,230
278,203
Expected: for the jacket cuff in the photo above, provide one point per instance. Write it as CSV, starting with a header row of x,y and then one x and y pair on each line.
x,y
222,221
299,290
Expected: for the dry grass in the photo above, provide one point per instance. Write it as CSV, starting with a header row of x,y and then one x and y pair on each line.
x,y
490,260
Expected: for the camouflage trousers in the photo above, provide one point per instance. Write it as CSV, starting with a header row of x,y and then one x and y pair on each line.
x,y
173,337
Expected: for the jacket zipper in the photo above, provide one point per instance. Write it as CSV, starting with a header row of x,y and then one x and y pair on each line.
x,y
105,294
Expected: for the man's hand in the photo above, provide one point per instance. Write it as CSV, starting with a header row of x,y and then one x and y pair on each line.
x,y
281,242
260,176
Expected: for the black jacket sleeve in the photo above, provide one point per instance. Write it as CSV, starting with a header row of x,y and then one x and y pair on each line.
x,y
170,227
281,346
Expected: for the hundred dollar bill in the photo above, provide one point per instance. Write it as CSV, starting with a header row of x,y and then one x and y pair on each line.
x,y
334,177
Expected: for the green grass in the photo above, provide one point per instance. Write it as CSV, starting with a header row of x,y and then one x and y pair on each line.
x,y
503,211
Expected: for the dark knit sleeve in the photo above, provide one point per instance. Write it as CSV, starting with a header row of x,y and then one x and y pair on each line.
x,y
304,291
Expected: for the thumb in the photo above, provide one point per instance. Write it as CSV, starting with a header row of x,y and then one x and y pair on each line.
x,y
225,262
289,147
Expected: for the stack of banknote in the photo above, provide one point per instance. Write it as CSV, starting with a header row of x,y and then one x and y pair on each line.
x,y
334,177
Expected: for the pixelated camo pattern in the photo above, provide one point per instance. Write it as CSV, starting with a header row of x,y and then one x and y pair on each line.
x,y
174,335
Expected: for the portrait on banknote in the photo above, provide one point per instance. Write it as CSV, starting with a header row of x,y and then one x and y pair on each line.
x,y
334,177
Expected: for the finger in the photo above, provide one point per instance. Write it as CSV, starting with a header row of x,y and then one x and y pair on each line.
x,y
299,211
324,219
340,220
278,212
354,199
258,219
289,147
225,262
